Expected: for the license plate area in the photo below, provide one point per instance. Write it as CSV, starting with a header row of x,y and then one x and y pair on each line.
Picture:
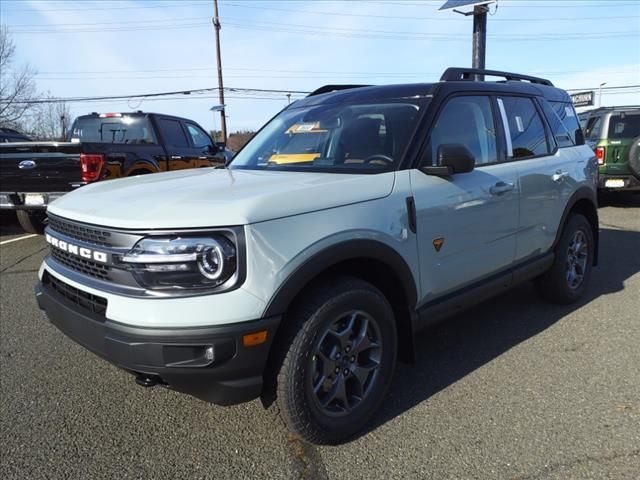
x,y
34,199
614,183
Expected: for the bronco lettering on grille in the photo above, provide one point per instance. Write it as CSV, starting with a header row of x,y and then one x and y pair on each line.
x,y
76,249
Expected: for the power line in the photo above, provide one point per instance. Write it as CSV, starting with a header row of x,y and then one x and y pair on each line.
x,y
296,71
440,18
247,91
337,31
111,8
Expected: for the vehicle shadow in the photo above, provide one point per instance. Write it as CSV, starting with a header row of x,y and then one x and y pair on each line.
x,y
9,224
456,347
619,199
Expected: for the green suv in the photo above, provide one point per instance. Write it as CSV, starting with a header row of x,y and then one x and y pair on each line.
x,y
614,135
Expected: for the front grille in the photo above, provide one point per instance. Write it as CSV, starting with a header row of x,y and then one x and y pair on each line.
x,y
81,265
87,301
80,232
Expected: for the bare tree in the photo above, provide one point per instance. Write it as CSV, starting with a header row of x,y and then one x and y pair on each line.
x,y
16,85
48,121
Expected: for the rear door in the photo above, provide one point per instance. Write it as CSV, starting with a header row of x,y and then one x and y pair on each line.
x,y
176,143
466,223
544,179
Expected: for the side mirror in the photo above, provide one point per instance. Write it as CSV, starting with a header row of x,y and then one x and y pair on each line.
x,y
451,158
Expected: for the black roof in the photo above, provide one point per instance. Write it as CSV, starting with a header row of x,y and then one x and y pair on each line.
x,y
454,79
138,113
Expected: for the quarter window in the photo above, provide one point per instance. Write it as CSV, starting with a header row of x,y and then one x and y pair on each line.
x,y
468,121
563,137
525,128
567,115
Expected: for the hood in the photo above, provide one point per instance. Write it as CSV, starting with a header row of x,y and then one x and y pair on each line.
x,y
215,197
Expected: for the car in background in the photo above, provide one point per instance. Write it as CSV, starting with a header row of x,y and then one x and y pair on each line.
x,y
8,135
614,135
101,146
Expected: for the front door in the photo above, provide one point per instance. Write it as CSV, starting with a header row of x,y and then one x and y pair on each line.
x,y
467,222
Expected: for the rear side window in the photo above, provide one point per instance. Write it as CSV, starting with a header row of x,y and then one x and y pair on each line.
x,y
173,133
526,133
125,129
624,126
468,121
592,129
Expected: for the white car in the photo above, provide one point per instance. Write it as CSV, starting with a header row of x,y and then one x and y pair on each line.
x,y
300,277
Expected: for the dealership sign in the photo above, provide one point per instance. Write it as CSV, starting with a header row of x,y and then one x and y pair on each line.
x,y
582,99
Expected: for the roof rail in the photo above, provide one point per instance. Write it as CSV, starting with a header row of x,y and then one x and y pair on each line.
x,y
456,73
334,88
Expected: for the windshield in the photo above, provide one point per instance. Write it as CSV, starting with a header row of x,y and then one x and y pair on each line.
x,y
353,138
125,129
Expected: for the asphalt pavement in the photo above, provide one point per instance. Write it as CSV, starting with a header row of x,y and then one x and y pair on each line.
x,y
513,389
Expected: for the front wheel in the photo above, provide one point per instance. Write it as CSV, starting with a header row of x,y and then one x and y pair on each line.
x,y
567,279
32,221
337,368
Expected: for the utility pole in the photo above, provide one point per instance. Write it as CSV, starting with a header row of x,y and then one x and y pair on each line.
x,y
479,36
479,12
223,118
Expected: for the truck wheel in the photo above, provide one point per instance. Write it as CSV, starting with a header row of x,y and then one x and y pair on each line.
x,y
634,157
337,362
567,279
32,221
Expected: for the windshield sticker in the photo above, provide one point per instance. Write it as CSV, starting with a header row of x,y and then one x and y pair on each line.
x,y
305,128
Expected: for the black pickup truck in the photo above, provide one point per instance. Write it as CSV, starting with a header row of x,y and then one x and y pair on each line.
x,y
100,147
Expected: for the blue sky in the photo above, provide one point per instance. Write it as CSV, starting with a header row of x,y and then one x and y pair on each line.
x,y
88,48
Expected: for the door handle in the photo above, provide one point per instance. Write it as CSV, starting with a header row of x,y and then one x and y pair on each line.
x,y
559,175
176,157
501,188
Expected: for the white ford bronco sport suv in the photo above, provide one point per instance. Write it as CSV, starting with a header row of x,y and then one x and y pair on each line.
x,y
356,217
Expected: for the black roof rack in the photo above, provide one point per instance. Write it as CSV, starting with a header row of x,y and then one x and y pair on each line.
x,y
456,73
334,88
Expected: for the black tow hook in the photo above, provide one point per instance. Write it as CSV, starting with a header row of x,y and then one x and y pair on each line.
x,y
147,380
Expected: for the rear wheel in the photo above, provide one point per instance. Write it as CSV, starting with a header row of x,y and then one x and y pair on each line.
x,y
32,221
567,279
338,361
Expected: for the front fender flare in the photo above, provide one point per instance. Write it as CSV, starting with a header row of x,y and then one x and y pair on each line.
x,y
335,254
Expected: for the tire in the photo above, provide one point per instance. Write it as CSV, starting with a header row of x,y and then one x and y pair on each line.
x,y
634,157
32,221
327,322
568,277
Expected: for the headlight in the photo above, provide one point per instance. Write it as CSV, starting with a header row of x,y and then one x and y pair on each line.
x,y
177,263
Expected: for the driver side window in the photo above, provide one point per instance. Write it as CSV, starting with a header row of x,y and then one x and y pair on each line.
x,y
198,137
468,121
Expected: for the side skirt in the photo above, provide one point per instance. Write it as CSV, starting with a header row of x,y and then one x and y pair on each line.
x,y
439,309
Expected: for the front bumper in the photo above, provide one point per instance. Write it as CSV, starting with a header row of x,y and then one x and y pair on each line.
x,y
179,358
27,201
623,182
